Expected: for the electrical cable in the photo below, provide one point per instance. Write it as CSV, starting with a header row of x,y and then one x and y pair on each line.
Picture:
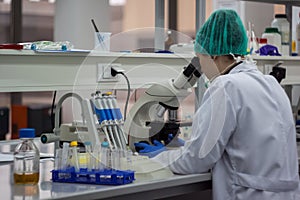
x,y
114,72
128,94
52,109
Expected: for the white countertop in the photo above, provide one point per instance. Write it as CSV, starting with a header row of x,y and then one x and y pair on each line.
x,y
46,189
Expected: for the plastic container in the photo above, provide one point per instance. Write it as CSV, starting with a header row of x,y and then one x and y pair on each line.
x,y
273,37
283,26
26,159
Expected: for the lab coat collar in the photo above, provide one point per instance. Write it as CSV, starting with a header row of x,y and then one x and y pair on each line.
x,y
243,67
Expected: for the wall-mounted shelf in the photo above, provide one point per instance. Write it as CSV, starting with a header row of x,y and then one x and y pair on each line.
x,y
29,71
46,71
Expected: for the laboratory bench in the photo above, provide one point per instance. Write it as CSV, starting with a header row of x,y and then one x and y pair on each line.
x,y
196,186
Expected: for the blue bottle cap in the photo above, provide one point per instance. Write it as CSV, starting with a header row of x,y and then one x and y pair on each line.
x,y
104,144
27,133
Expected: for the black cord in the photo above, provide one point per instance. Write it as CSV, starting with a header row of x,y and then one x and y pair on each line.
x,y
128,94
52,110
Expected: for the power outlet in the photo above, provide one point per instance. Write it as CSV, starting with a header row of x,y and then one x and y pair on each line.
x,y
104,72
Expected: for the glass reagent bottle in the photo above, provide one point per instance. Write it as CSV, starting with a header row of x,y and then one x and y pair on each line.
x,y
26,159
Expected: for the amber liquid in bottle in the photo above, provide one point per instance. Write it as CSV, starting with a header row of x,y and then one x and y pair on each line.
x,y
32,178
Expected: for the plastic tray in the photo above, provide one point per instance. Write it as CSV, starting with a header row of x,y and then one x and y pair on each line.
x,y
102,177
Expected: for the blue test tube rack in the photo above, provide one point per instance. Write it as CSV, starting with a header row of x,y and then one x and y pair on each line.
x,y
100,177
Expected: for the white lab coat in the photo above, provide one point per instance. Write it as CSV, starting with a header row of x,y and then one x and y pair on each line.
x,y
244,132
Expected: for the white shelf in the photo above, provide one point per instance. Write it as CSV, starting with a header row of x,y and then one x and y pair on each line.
x,y
291,63
30,71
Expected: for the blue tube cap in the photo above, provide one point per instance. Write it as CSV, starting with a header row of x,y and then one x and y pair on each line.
x,y
105,144
27,133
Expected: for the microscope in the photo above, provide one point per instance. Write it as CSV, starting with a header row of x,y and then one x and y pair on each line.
x,y
146,121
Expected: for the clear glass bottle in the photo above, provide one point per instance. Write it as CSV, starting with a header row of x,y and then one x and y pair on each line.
x,y
26,159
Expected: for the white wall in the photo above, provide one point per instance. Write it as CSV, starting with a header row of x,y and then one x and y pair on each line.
x,y
259,14
72,21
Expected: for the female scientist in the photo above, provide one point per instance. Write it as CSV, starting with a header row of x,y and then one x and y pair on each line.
x,y
244,129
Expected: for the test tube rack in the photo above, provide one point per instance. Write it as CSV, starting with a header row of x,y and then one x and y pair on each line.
x,y
100,177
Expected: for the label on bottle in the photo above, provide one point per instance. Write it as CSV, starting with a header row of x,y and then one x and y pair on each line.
x,y
285,37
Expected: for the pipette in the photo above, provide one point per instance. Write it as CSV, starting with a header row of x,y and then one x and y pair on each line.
x,y
109,120
102,116
119,117
113,122
117,120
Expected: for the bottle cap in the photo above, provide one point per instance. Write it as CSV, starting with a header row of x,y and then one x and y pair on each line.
x,y
280,16
271,30
73,144
263,40
107,93
27,133
104,144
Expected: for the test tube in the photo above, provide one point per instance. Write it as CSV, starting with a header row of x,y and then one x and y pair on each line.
x,y
58,159
115,158
64,157
108,158
88,155
74,155
105,156
96,157
128,159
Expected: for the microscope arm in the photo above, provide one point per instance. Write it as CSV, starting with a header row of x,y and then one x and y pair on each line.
x,y
156,99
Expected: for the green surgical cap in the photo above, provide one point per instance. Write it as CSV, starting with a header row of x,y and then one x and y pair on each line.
x,y
223,33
